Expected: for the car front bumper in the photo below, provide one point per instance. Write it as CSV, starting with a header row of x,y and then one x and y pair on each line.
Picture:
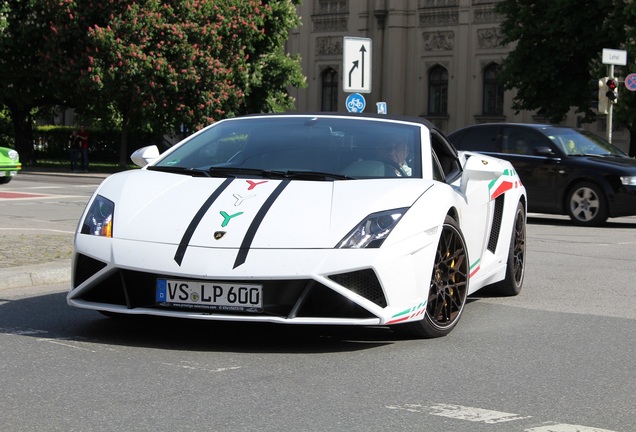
x,y
299,286
623,202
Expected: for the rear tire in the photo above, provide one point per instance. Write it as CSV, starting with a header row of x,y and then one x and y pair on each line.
x,y
516,263
448,288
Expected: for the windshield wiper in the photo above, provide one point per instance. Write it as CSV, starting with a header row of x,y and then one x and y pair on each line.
x,y
315,175
250,172
276,174
195,172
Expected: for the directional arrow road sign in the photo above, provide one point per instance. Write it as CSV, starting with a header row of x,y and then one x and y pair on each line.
x,y
356,65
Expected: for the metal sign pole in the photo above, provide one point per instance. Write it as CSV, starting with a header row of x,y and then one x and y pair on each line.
x,y
610,109
613,57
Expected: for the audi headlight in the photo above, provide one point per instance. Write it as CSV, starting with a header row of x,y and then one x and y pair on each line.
x,y
628,180
372,231
99,219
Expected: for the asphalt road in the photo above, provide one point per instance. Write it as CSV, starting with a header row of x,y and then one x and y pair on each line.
x,y
559,357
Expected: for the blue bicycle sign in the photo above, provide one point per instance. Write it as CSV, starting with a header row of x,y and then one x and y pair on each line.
x,y
355,103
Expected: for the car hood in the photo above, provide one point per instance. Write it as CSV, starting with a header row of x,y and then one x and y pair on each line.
x,y
225,213
615,161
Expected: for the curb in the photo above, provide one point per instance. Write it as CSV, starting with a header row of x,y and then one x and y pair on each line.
x,y
66,174
52,273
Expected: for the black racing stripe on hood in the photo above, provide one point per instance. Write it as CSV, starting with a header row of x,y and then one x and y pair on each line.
x,y
251,231
187,236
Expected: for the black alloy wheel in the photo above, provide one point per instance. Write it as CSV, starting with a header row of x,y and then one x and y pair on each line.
x,y
448,288
516,262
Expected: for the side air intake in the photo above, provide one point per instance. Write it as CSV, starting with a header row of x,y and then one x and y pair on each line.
x,y
496,224
364,283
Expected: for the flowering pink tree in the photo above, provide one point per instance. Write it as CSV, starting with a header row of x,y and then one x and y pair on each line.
x,y
165,64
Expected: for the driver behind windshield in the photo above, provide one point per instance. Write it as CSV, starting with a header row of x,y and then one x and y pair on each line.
x,y
397,151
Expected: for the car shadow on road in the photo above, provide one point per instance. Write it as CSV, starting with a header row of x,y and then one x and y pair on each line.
x,y
48,316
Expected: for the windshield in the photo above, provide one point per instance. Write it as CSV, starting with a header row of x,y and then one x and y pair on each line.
x,y
580,142
347,147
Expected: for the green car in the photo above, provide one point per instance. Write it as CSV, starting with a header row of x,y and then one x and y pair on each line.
x,y
9,164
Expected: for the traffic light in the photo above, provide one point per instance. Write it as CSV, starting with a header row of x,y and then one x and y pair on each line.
x,y
603,101
612,90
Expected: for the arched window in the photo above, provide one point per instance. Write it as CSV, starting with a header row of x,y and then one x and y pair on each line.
x,y
493,91
329,96
438,91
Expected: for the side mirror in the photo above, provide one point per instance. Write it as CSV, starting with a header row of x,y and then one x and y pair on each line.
x,y
145,155
481,167
544,151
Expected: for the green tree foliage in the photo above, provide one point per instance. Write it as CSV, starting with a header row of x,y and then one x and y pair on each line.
x,y
621,24
22,84
4,16
182,63
163,64
557,54
555,43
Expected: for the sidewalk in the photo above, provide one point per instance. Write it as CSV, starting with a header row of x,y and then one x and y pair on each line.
x,y
43,259
51,273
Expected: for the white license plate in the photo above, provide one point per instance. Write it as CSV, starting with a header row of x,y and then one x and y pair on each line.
x,y
219,296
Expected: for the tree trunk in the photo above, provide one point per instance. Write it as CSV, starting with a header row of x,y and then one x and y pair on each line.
x,y
23,133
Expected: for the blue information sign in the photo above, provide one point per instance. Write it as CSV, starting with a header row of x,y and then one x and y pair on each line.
x,y
355,103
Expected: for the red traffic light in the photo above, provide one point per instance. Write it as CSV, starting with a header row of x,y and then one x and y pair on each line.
x,y
612,90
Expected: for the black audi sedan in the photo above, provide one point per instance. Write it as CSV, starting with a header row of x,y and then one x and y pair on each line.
x,y
565,170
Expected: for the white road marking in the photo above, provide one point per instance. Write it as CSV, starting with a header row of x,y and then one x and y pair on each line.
x,y
566,428
38,229
66,343
473,414
40,197
460,412
480,415
75,343
21,331
59,187
195,366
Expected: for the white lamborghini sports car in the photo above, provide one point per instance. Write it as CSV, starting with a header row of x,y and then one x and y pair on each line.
x,y
304,219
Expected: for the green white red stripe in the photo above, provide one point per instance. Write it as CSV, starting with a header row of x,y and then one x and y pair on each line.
x,y
508,180
408,314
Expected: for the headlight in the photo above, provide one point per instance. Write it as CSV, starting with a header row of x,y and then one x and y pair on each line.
x,y
371,232
628,180
13,155
99,219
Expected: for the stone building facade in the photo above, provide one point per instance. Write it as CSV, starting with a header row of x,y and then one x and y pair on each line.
x,y
437,59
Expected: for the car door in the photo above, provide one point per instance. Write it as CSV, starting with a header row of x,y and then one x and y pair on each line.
x,y
447,168
539,169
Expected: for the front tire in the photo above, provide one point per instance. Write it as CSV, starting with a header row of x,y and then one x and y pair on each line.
x,y
515,265
586,204
448,288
